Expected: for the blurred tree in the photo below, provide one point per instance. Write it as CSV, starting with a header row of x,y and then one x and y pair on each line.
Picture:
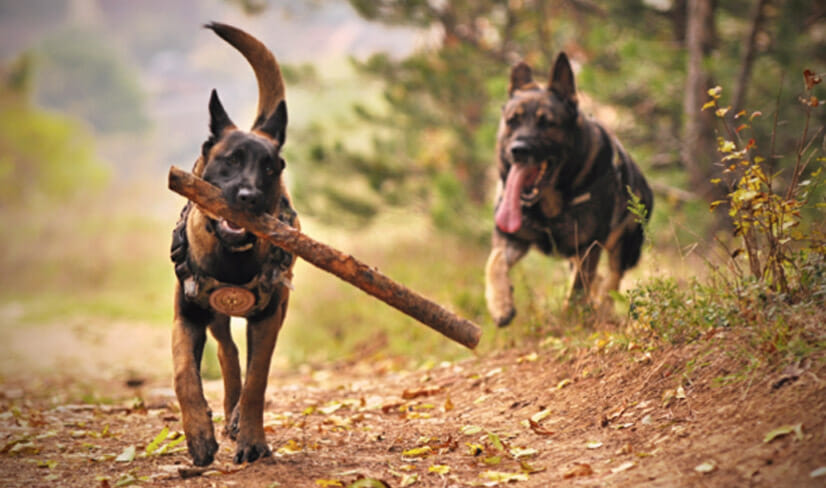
x,y
43,156
646,64
81,74
698,147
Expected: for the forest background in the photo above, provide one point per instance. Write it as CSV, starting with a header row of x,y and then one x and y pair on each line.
x,y
393,113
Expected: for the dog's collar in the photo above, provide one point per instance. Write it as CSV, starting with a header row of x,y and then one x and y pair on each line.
x,y
230,299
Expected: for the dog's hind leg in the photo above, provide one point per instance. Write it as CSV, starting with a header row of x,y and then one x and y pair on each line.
x,y
498,288
261,337
188,338
584,273
623,256
230,370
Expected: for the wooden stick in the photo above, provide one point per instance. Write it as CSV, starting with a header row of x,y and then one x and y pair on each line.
x,y
325,257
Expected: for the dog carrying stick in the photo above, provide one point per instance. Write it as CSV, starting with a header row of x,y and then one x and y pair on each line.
x,y
346,267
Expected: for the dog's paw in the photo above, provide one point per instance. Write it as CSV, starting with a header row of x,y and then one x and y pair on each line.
x,y
202,449
247,453
506,318
232,428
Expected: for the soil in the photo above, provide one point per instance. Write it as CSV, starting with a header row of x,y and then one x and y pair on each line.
x,y
544,414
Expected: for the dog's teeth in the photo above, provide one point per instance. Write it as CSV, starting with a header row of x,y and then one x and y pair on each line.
x,y
232,227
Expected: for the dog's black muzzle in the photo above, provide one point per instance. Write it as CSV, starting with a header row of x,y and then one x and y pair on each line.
x,y
249,199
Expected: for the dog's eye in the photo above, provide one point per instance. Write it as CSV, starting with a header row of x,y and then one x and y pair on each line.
x,y
512,121
544,122
271,168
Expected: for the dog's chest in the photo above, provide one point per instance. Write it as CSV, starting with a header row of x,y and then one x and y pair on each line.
x,y
580,219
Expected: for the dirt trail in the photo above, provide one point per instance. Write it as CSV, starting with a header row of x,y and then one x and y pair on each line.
x,y
542,415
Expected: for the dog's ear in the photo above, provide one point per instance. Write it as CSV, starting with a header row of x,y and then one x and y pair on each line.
x,y
521,77
275,125
562,80
219,121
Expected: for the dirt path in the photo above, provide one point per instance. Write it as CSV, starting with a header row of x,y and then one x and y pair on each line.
x,y
544,415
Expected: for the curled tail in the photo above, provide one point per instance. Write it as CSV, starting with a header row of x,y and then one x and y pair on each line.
x,y
267,71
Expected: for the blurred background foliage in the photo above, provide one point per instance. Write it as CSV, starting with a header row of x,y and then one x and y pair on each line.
x,y
394,107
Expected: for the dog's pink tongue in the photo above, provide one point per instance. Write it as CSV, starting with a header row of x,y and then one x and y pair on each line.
x,y
509,214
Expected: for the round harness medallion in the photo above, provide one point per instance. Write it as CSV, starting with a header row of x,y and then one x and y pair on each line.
x,y
232,300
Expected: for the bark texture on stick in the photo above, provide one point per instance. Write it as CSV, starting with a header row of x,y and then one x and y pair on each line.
x,y
344,266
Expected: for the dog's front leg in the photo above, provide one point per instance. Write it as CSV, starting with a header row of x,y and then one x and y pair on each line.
x,y
261,337
188,338
498,288
230,370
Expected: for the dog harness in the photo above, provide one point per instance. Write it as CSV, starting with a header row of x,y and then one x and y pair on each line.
x,y
230,299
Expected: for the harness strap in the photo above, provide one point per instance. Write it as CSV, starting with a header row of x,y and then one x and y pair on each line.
x,y
239,300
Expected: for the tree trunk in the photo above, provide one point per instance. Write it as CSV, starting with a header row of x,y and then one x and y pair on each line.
x,y
748,56
698,153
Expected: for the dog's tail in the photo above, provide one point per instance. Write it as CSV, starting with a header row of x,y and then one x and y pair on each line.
x,y
267,71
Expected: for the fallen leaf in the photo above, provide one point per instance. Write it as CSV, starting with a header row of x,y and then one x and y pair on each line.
x,y
593,445
330,407
470,429
579,469
127,456
156,442
439,469
325,483
680,394
421,392
540,416
493,372
529,468
527,358
418,451
503,477
821,471
48,464
368,483
495,441
706,467
538,429
24,447
408,479
492,460
290,447
520,452
475,449
667,398
562,384
784,430
448,406
624,467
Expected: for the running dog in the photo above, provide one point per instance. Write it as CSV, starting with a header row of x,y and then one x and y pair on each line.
x,y
564,188
223,270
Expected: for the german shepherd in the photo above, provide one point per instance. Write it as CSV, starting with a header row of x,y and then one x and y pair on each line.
x,y
223,270
564,186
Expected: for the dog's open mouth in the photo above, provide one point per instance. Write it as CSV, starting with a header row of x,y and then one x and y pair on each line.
x,y
234,237
521,188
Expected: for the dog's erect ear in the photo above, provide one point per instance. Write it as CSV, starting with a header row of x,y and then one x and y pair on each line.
x,y
275,125
562,80
219,121
521,77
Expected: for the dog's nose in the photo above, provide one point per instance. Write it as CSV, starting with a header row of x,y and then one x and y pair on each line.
x,y
520,150
249,197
